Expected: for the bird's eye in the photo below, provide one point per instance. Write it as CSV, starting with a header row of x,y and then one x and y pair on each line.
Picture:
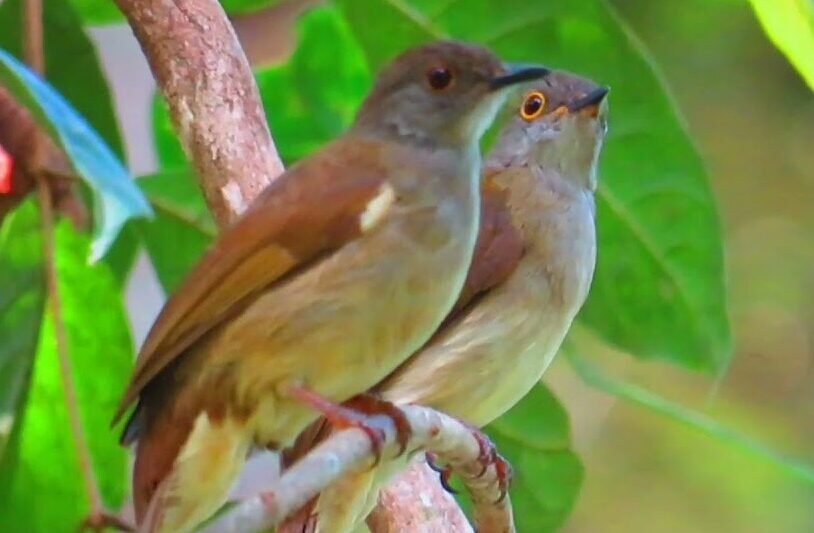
x,y
439,78
533,106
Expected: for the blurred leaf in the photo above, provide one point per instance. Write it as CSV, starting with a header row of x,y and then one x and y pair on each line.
x,y
309,101
40,482
71,64
21,306
790,26
534,437
116,196
182,229
659,286
99,12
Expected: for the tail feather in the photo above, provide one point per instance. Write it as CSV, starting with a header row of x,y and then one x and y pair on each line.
x,y
183,471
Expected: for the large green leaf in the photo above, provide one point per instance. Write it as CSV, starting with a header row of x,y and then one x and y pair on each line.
x,y
116,196
40,480
182,228
309,100
72,65
659,286
790,26
534,437
22,294
106,12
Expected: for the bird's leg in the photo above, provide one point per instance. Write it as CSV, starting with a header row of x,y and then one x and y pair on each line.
x,y
341,416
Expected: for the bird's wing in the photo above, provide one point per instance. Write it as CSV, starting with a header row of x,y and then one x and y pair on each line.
x,y
312,210
498,250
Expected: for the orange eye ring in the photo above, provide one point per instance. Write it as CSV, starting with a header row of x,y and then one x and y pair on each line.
x,y
533,106
439,78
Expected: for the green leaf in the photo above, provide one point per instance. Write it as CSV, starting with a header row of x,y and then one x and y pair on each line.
x,y
106,12
659,285
182,229
790,26
21,305
40,482
123,254
309,100
116,196
534,437
72,65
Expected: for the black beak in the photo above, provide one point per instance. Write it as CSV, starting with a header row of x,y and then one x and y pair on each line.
x,y
519,74
593,98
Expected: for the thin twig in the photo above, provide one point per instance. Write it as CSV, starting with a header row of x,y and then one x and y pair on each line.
x,y
66,372
32,22
349,450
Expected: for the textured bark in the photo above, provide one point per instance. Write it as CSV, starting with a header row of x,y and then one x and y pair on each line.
x,y
213,99
411,503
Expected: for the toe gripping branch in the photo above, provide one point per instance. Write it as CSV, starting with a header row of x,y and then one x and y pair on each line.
x,y
487,457
360,412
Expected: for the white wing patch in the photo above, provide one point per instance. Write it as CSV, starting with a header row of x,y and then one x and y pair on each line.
x,y
377,208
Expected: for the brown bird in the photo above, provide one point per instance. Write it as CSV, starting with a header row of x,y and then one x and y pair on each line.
x,y
339,271
530,275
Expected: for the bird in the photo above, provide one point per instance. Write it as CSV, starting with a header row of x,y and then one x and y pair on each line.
x,y
530,275
342,267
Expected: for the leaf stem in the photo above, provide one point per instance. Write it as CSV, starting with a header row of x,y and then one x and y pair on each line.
x,y
693,419
35,57
66,372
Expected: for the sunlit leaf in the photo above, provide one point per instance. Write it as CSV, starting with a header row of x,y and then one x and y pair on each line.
x,y
182,229
790,26
116,196
659,286
41,484
22,294
309,100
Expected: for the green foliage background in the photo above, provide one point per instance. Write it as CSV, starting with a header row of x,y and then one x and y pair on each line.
x,y
658,295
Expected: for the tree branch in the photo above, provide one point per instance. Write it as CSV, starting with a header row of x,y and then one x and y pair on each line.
x,y
349,450
213,98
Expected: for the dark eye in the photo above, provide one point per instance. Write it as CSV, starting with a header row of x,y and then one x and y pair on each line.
x,y
533,106
439,78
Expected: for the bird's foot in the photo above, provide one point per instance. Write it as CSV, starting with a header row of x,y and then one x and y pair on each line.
x,y
341,417
372,405
488,456
444,472
100,520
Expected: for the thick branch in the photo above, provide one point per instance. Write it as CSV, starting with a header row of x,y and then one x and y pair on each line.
x,y
412,498
350,450
213,98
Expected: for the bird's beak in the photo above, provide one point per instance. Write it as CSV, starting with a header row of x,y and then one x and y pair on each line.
x,y
518,74
592,99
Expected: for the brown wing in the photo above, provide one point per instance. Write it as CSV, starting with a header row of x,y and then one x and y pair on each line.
x,y
312,209
498,250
